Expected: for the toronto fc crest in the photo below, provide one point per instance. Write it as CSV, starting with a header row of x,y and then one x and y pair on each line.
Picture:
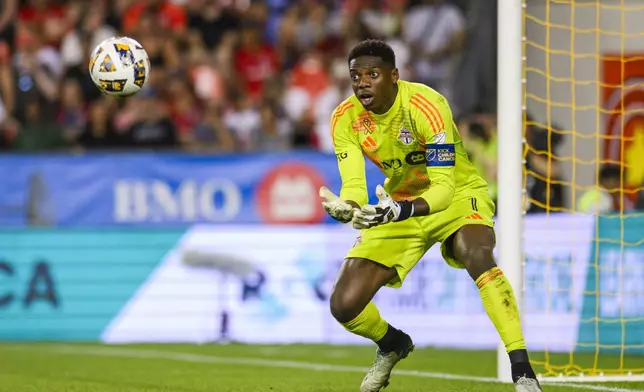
x,y
405,136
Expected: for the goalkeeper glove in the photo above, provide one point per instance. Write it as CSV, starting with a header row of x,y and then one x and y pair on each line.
x,y
387,210
339,209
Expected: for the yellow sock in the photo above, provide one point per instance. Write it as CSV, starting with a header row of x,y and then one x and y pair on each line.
x,y
501,306
368,324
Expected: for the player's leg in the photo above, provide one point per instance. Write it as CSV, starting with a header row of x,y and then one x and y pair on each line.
x,y
358,282
472,246
468,241
381,257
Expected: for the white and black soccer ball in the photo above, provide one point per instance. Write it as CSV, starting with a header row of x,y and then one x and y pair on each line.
x,y
119,66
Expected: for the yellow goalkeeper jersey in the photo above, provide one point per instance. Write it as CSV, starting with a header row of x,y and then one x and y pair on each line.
x,y
416,145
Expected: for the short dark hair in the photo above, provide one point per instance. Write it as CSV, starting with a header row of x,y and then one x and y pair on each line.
x,y
610,171
374,47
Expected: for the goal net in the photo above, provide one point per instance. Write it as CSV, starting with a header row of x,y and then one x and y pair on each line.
x,y
584,131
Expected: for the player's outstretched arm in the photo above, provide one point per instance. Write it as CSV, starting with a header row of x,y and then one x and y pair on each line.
x,y
352,169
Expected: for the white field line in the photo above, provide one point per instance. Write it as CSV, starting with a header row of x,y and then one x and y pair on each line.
x,y
111,351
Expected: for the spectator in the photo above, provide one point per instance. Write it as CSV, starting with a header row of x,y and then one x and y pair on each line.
x,y
71,115
212,20
38,132
45,18
8,13
640,200
608,196
309,80
243,121
255,61
212,135
7,94
169,16
337,91
287,44
600,199
382,19
99,132
544,178
184,109
38,69
273,135
152,126
89,31
435,30
204,72
480,140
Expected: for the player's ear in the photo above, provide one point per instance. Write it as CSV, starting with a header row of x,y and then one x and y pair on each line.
x,y
395,75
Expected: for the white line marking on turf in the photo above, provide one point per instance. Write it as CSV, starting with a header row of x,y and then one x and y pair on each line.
x,y
107,351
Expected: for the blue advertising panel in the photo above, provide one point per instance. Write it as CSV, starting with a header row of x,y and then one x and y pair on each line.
x,y
70,284
613,305
167,189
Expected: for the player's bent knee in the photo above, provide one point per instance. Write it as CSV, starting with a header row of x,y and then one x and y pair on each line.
x,y
344,306
358,282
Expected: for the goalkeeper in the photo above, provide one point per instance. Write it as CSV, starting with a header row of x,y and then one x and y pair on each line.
x,y
432,194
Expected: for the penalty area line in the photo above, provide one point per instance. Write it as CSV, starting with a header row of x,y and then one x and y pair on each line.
x,y
122,352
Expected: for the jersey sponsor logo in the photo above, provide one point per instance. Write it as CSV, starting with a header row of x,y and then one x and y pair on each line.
x,y
439,138
415,158
390,164
405,136
440,155
342,156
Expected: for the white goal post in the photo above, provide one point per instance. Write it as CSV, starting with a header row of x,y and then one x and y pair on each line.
x,y
510,167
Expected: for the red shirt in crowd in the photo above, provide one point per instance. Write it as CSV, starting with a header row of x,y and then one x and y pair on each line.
x,y
171,16
255,66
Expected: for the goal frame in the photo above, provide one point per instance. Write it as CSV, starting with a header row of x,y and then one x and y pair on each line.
x,y
511,109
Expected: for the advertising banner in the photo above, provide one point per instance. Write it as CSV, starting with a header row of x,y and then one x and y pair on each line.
x,y
161,190
271,284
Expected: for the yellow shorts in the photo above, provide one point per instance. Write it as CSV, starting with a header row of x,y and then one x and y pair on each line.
x,y
402,244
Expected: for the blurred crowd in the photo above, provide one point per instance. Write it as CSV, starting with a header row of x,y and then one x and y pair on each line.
x,y
227,75
248,75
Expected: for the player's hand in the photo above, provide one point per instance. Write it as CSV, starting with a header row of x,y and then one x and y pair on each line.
x,y
384,212
337,208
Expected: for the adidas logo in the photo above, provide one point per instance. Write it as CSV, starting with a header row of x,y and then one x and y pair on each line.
x,y
475,216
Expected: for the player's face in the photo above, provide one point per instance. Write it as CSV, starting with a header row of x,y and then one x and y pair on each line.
x,y
374,83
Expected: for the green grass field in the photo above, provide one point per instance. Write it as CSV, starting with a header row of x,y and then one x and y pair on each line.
x,y
246,368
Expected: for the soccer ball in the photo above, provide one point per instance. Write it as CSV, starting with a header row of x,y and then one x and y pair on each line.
x,y
119,66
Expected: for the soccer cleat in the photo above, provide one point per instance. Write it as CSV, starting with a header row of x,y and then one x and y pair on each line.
x,y
378,376
525,384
